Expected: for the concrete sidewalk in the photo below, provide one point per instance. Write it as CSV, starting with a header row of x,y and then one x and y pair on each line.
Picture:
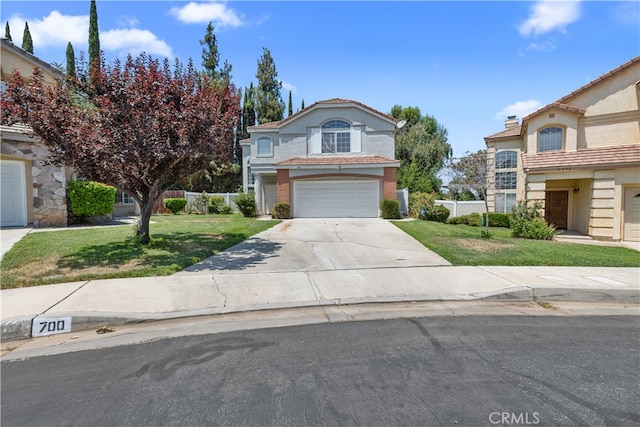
x,y
119,301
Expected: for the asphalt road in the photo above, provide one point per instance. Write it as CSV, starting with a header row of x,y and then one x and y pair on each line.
x,y
468,371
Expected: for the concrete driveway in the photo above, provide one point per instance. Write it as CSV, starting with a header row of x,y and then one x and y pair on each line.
x,y
323,244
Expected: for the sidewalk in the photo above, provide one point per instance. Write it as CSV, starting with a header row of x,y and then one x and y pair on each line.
x,y
118,301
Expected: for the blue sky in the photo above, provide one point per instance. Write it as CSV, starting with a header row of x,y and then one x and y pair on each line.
x,y
468,64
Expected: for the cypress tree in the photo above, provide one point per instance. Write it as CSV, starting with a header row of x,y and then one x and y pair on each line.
x,y
248,110
290,105
302,105
27,41
71,61
7,32
210,55
94,36
269,104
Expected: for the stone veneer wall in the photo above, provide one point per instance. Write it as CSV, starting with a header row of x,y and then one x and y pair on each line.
x,y
49,183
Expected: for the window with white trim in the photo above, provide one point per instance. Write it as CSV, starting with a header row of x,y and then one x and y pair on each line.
x,y
506,178
265,147
505,202
123,198
336,137
507,159
550,139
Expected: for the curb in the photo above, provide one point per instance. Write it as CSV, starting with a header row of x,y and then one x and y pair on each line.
x,y
20,328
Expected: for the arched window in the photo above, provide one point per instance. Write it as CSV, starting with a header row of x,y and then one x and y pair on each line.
x,y
265,147
336,137
550,139
507,159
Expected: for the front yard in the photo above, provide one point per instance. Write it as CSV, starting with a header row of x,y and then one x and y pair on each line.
x,y
79,254
463,245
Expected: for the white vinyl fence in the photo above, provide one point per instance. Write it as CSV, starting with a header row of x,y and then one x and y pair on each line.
x,y
228,199
462,208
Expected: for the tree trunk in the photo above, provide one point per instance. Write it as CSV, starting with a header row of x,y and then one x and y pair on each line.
x,y
142,233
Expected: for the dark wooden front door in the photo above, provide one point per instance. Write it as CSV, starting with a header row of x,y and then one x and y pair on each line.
x,y
557,208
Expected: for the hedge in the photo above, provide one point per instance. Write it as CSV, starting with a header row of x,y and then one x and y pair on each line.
x,y
89,198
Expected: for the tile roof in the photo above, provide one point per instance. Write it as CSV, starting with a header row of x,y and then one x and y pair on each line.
x,y
336,160
558,105
507,133
333,101
615,156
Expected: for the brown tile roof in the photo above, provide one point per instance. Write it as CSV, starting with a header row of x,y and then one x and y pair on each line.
x,y
333,101
616,156
507,133
336,160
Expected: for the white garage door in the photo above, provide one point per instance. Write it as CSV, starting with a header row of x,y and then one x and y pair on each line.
x,y
632,214
336,199
12,194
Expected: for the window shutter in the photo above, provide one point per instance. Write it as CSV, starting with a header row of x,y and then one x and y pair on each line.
x,y
356,139
315,138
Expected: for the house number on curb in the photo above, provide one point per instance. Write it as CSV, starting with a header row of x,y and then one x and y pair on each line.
x,y
42,326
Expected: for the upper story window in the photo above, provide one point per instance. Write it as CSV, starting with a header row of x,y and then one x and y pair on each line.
x,y
506,159
265,147
550,139
336,137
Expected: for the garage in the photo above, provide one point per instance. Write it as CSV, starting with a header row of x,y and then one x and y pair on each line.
x,y
13,203
632,214
336,199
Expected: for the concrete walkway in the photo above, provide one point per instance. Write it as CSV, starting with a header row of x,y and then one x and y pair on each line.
x,y
304,263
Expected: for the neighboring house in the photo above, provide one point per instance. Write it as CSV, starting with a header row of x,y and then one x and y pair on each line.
x,y
334,158
32,192
579,156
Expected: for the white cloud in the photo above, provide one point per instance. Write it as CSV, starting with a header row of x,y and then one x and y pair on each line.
x,y
54,30
519,109
289,87
546,46
200,13
134,41
549,15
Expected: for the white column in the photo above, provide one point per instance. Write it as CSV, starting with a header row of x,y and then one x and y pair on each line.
x,y
257,185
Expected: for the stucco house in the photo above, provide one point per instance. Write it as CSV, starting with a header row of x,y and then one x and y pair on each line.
x,y
32,192
334,158
579,156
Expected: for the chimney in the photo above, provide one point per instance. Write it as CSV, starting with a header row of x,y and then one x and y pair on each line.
x,y
511,122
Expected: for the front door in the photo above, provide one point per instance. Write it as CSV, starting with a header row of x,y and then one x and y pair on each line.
x,y
556,207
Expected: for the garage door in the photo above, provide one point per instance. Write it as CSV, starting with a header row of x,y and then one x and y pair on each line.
x,y
632,214
12,194
336,199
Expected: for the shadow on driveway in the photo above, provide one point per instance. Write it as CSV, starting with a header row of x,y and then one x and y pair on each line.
x,y
250,253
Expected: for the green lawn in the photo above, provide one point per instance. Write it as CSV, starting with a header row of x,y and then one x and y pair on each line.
x,y
463,245
107,252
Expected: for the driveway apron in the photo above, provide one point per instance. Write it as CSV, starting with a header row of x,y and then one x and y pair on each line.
x,y
321,245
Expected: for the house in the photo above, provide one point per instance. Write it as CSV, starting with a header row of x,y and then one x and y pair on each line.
x,y
334,158
32,191
578,156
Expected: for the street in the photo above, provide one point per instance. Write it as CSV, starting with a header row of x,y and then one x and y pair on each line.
x,y
442,371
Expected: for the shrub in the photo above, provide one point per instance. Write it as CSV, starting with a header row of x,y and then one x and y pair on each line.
x,y
246,204
175,205
390,209
474,219
527,222
216,204
281,210
457,220
225,210
88,198
437,213
200,204
497,219
419,203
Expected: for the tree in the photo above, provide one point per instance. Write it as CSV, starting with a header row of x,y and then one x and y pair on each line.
x,y
290,110
71,61
210,54
145,128
27,41
7,32
473,173
422,148
269,104
248,110
302,105
94,37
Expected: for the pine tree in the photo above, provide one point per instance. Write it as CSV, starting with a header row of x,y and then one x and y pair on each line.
x,y
290,105
210,54
302,105
94,36
248,110
7,32
71,61
269,103
27,41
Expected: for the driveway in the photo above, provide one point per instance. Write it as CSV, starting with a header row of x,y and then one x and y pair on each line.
x,y
321,245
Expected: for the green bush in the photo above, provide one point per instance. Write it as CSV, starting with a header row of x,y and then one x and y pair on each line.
x,y
527,222
281,210
246,204
419,203
457,220
89,198
390,209
216,204
175,205
225,210
200,204
474,219
497,219
437,213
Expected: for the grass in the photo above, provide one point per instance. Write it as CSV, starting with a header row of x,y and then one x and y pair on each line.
x,y
78,254
463,245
